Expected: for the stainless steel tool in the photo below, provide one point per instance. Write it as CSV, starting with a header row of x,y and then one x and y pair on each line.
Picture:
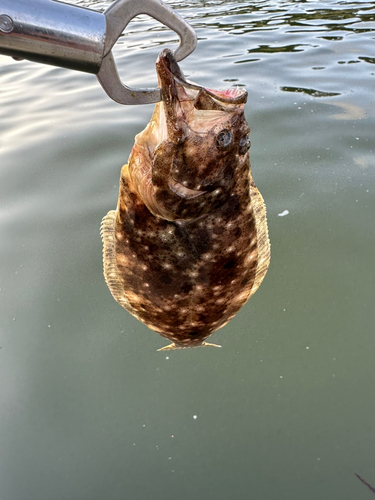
x,y
74,37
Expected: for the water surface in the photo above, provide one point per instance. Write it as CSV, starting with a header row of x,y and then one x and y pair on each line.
x,y
285,410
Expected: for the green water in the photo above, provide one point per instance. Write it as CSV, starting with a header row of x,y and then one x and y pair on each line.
x,y
89,410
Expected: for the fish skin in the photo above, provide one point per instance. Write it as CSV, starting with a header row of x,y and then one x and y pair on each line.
x,y
188,243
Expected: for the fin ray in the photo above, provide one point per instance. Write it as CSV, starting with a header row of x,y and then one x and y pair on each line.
x,y
264,246
174,347
107,233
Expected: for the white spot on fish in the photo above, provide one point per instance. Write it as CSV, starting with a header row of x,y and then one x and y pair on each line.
x,y
242,296
282,214
249,258
122,259
207,256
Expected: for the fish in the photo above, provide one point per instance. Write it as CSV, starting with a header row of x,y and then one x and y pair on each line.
x,y
188,243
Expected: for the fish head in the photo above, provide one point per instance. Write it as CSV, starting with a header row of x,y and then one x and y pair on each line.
x,y
207,128
183,164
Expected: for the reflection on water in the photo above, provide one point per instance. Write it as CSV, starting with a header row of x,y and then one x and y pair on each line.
x,y
312,92
88,408
349,111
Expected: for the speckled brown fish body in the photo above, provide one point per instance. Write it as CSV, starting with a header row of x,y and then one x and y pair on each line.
x,y
188,244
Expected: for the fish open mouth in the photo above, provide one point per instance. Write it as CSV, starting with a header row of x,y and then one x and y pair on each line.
x,y
175,87
230,96
196,107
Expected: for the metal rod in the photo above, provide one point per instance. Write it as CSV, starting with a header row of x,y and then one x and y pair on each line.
x,y
52,32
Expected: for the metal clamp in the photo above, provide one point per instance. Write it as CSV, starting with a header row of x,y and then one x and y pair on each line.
x,y
74,37
118,15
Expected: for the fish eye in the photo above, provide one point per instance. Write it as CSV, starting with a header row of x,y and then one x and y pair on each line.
x,y
224,139
244,145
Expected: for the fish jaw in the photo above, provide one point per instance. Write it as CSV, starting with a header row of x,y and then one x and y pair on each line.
x,y
182,100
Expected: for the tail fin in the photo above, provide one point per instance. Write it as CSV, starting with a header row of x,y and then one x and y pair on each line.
x,y
174,347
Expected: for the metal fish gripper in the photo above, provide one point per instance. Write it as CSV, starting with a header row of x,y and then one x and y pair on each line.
x,y
74,37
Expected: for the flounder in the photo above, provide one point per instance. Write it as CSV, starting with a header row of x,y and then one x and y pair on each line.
x,y
188,243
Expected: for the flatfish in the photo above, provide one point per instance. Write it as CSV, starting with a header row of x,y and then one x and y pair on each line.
x,y
188,243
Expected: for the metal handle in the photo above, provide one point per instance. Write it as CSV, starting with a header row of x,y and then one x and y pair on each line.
x,y
53,32
66,35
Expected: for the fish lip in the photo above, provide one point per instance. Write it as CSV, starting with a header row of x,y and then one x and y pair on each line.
x,y
169,74
167,62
